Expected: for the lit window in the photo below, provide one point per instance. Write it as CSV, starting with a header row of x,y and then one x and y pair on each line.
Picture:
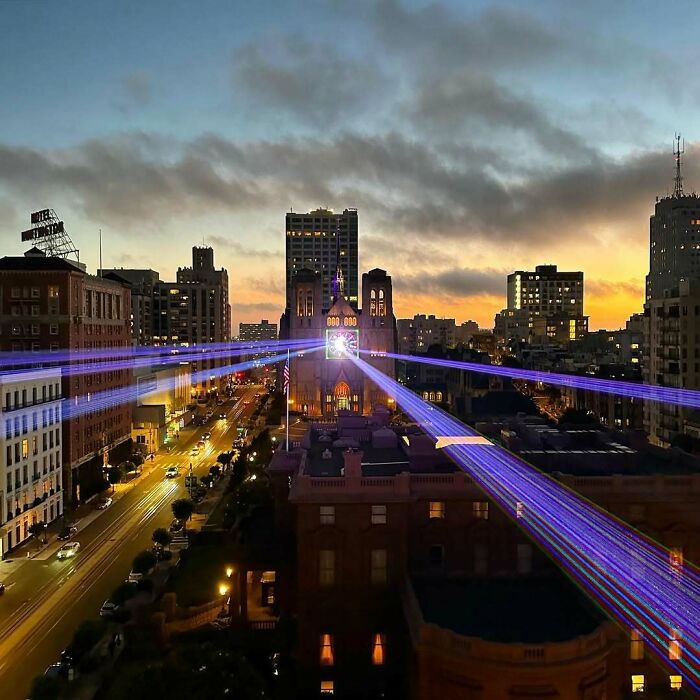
x,y
636,646
480,510
378,566
378,515
326,567
25,448
436,510
638,685
327,688
675,682
326,650
327,515
378,649
53,292
676,558
674,646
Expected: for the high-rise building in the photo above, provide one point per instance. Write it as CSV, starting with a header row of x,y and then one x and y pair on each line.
x,y
417,334
544,305
49,303
672,309
30,454
322,241
253,332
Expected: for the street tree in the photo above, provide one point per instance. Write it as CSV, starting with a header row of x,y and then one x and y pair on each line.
x,y
114,476
162,537
183,509
37,529
143,562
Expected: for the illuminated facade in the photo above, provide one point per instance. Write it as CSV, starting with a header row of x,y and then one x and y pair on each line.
x,y
324,383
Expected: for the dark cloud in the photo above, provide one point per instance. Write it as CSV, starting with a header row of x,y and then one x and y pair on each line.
x,y
240,250
455,282
308,80
264,307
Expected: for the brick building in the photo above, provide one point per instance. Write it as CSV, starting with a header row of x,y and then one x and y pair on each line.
x,y
51,304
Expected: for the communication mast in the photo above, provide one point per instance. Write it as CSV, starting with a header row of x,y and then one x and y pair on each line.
x,y
678,151
48,234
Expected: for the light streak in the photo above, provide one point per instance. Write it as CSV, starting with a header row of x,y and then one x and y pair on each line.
x,y
650,392
628,574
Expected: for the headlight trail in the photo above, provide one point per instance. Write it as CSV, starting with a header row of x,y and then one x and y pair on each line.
x,y
634,579
650,392
186,355
91,403
18,360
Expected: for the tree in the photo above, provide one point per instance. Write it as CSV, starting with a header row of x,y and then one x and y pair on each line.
x,y
162,537
143,562
128,467
114,476
46,688
137,459
183,509
224,458
122,593
36,529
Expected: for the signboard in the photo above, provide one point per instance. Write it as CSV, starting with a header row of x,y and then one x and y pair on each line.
x,y
38,216
33,234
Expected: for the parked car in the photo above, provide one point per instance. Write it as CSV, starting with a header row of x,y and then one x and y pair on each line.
x,y
108,609
171,473
68,550
67,532
176,526
104,504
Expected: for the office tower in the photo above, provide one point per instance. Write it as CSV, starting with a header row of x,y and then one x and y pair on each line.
x,y
672,309
257,331
50,303
417,334
544,305
321,241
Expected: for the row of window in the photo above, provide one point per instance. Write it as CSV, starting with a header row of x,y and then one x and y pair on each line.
x,y
20,398
52,292
20,451
639,682
20,426
675,645
377,650
378,513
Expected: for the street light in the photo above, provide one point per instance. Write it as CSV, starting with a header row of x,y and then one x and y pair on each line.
x,y
223,590
229,571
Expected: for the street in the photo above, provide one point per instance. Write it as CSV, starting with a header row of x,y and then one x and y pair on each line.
x,y
46,599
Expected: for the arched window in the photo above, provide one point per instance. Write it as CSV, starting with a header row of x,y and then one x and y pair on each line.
x,y
372,302
309,303
438,396
300,302
432,396
381,311
426,396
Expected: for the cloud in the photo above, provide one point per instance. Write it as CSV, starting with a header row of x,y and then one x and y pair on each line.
x,y
240,250
310,81
138,89
455,282
607,289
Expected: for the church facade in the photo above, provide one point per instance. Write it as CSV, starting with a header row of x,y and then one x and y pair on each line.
x,y
327,381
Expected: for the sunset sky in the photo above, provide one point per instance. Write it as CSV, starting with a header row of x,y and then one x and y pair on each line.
x,y
475,138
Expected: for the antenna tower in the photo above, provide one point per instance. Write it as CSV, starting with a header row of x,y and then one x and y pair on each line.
x,y
48,234
678,151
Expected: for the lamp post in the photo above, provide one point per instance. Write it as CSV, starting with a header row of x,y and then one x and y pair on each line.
x,y
223,590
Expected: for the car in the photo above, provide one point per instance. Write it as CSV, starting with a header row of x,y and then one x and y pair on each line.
x,y
68,550
135,576
246,403
2,587
194,451
201,444
67,532
222,416
176,526
108,609
171,473
206,436
104,504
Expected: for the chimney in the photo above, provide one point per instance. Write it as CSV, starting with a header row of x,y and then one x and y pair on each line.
x,y
353,463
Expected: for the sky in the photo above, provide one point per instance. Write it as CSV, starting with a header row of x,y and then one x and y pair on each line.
x,y
475,138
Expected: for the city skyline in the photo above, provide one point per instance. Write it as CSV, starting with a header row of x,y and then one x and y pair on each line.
x,y
459,147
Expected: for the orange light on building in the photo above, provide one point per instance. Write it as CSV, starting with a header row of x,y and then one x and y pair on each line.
x,y
378,650
326,650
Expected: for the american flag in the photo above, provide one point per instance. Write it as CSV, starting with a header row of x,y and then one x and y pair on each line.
x,y
286,375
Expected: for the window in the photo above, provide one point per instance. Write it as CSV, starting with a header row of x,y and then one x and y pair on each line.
x,y
636,646
378,566
378,649
436,554
53,329
674,646
327,515
327,688
524,559
436,510
638,685
676,558
326,650
53,292
675,682
326,567
480,509
378,515
25,448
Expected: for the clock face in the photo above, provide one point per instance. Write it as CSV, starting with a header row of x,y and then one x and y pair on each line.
x,y
341,342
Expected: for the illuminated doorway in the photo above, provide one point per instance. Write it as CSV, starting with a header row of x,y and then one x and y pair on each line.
x,y
342,397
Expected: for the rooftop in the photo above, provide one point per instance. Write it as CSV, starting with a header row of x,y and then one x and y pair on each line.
x,y
508,610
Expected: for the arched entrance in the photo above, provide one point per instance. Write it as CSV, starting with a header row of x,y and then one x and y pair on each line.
x,y
341,395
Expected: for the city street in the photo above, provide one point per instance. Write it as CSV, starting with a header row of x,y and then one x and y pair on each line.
x,y
46,599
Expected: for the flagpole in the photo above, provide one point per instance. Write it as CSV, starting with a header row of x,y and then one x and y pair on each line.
x,y
288,382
